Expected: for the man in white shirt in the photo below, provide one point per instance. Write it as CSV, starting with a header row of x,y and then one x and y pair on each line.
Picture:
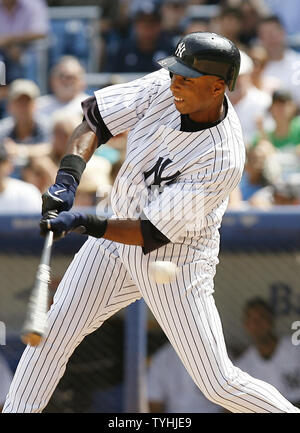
x,y
270,358
250,103
284,63
170,387
67,83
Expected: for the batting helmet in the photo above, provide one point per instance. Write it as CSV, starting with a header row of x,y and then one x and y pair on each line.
x,y
200,53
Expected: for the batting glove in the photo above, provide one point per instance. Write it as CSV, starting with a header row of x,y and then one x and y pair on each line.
x,y
61,195
69,221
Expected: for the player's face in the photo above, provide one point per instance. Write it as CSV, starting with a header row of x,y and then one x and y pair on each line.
x,y
197,96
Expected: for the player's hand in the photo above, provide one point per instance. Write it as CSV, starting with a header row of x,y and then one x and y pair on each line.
x,y
72,221
61,224
61,195
44,225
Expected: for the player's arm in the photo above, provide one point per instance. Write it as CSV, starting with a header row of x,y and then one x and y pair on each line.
x,y
124,231
85,139
140,232
81,146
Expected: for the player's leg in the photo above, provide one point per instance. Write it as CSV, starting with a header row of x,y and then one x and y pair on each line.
x,y
187,314
94,287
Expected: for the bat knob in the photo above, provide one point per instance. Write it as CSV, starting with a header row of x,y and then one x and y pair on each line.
x,y
32,339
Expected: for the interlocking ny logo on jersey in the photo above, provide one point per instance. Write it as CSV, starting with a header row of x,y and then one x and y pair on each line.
x,y
157,170
180,50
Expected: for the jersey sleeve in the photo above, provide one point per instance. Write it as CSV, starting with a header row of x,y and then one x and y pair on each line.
x,y
184,208
93,117
122,105
153,238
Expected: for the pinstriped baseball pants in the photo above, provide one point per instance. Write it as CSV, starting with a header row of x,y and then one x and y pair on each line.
x,y
105,277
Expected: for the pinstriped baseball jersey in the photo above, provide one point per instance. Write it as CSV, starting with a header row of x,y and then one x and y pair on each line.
x,y
180,182
204,166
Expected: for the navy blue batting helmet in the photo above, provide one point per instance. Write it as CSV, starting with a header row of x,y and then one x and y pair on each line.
x,y
202,53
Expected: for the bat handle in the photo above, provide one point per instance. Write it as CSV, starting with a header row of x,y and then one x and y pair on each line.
x,y
46,254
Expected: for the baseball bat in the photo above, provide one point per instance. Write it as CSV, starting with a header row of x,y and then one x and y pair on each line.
x,y
35,324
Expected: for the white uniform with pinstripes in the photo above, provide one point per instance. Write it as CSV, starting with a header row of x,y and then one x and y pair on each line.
x,y
106,276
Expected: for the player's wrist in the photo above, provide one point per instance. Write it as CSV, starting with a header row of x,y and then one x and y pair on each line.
x,y
73,165
66,180
94,225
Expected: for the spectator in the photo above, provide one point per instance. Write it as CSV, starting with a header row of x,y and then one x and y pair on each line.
x,y
249,102
259,58
5,380
172,13
285,134
15,195
286,131
251,12
229,23
171,389
279,194
40,171
21,23
195,25
24,129
144,46
260,170
271,358
288,15
67,81
283,63
24,126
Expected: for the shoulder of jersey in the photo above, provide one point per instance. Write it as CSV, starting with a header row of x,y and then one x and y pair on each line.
x,y
159,77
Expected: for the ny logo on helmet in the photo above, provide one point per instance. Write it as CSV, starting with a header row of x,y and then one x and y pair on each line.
x,y
180,50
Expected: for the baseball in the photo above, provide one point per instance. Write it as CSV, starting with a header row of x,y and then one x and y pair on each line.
x,y
163,272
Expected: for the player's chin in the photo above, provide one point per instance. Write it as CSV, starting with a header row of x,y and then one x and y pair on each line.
x,y
181,107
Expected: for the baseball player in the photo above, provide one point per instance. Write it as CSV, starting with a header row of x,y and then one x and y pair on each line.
x,y
185,154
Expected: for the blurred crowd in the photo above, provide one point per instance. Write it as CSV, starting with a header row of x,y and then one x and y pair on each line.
x,y
37,121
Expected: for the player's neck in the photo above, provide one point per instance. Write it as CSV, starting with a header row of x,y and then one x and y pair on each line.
x,y
210,115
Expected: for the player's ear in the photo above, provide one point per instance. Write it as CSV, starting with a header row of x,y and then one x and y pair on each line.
x,y
219,87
